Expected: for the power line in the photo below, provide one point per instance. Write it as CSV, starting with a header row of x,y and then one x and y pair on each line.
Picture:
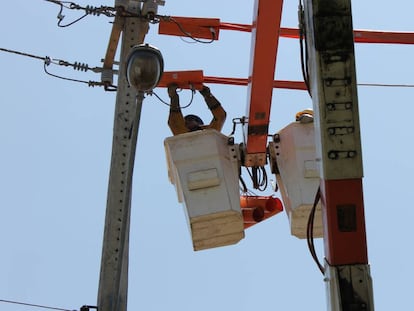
x,y
76,66
22,54
385,85
84,67
89,10
309,232
33,305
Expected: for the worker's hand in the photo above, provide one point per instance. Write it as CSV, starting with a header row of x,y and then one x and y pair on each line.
x,y
172,89
205,91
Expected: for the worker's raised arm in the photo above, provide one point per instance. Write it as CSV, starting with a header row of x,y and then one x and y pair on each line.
x,y
219,114
175,120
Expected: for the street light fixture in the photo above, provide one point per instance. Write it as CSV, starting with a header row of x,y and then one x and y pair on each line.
x,y
145,66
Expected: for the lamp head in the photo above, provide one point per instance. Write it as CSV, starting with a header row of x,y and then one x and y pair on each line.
x,y
145,67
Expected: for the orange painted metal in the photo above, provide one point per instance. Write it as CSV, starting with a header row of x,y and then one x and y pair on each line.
x,y
200,28
195,78
384,37
236,27
344,221
284,32
360,36
258,208
281,84
265,40
365,36
184,79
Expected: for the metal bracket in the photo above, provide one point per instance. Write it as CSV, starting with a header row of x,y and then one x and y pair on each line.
x,y
273,153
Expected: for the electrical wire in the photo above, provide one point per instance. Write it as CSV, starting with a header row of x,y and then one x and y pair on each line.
x,y
261,178
89,10
188,34
159,98
90,83
76,66
385,85
167,104
309,232
84,67
22,53
191,100
258,176
243,186
33,305
236,121
60,17
303,47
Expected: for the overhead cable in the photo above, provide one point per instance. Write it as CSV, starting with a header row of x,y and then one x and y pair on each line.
x,y
167,104
309,232
79,66
187,33
33,305
217,80
89,10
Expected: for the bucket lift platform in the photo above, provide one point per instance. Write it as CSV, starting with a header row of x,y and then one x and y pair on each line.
x,y
293,158
204,170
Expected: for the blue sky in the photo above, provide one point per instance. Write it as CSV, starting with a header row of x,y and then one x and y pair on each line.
x,y
56,141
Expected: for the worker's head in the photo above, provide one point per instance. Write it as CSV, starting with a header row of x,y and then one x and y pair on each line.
x,y
193,122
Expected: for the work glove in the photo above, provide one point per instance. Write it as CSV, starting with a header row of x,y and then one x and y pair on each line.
x,y
205,91
172,90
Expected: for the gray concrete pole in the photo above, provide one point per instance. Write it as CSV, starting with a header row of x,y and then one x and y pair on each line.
x,y
113,281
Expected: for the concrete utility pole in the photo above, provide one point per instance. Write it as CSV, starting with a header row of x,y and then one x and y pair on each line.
x,y
113,281
332,82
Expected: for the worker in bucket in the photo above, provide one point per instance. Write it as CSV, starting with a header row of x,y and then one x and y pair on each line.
x,y
179,124
305,116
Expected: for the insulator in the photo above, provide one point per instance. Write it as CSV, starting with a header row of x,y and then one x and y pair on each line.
x,y
92,10
47,61
80,66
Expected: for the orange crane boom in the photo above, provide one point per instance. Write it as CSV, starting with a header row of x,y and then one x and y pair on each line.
x,y
265,40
